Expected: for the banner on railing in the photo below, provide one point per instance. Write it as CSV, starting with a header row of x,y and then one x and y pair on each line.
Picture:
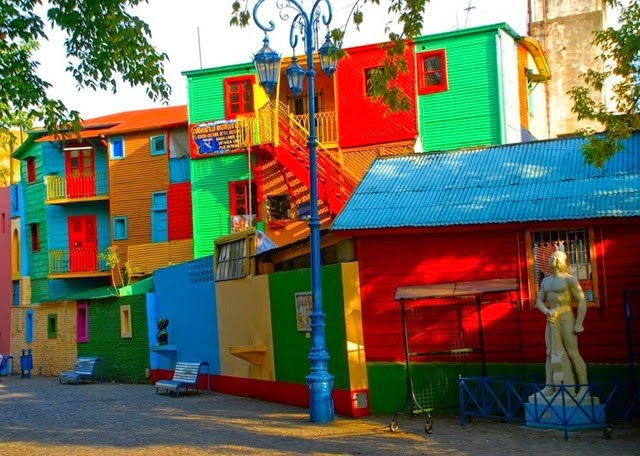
x,y
213,138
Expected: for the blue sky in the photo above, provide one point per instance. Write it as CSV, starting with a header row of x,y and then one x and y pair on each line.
x,y
198,31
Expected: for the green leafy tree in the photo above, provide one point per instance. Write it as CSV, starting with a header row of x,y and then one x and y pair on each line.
x,y
104,42
409,14
620,47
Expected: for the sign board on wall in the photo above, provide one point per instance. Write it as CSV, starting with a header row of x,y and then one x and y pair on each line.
x,y
304,307
213,138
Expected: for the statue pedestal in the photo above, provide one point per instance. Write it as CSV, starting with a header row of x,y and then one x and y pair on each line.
x,y
577,412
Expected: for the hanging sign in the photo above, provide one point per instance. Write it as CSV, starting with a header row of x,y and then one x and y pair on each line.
x,y
213,138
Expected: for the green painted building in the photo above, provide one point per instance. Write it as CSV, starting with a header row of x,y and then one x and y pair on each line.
x,y
470,90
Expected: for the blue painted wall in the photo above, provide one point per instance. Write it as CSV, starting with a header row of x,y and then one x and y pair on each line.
x,y
185,295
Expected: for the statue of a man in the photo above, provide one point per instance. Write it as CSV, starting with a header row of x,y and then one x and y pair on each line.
x,y
163,336
558,291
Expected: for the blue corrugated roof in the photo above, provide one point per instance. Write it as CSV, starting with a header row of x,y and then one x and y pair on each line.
x,y
535,181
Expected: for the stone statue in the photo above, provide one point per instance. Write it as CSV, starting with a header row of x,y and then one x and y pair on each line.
x,y
163,336
559,290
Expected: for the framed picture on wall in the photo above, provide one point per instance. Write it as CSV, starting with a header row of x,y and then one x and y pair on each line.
x,y
303,311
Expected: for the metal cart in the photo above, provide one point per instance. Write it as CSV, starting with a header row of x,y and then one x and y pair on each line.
x,y
441,324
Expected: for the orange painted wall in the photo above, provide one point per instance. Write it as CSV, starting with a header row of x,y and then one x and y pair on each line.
x,y
132,181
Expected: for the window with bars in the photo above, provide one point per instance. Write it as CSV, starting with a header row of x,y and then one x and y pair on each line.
x,y
577,245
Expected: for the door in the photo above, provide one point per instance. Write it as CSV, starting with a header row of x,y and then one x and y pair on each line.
x,y
80,172
83,246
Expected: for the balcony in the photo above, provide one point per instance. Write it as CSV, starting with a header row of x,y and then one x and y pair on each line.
x,y
77,187
261,128
77,262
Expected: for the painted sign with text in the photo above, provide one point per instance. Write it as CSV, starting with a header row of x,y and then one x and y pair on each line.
x,y
213,138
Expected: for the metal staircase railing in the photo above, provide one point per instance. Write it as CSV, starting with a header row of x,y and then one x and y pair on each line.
x,y
289,139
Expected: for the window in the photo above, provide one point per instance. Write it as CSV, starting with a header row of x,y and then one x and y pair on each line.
x,y
231,260
82,322
158,145
368,75
432,72
16,293
35,237
580,255
52,326
238,96
125,321
120,230
234,255
159,220
28,326
279,207
116,148
31,170
243,199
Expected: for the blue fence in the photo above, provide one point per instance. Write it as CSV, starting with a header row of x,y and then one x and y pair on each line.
x,y
593,406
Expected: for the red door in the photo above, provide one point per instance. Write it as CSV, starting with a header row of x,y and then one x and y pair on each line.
x,y
83,246
80,172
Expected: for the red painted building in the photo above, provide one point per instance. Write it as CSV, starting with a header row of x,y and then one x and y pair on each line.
x,y
435,222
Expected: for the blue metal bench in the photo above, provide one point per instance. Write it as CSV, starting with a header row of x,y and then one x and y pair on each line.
x,y
185,376
84,369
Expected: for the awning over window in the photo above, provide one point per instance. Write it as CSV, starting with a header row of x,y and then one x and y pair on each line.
x,y
444,290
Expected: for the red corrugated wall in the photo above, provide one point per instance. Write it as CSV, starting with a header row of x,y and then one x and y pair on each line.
x,y
361,120
179,211
388,262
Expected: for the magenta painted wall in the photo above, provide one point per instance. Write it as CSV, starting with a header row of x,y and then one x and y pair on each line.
x,y
5,270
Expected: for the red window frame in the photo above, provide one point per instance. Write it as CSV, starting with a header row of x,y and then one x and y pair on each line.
x,y
31,170
239,192
425,87
35,237
238,96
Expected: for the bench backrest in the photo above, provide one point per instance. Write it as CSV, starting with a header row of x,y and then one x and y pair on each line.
x,y
85,366
186,372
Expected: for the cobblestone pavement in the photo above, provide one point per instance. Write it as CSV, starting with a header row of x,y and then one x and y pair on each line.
x,y
38,416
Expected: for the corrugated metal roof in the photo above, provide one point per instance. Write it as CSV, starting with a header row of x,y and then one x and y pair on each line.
x,y
130,121
536,181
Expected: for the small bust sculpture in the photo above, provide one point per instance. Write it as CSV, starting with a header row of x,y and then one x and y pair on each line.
x,y
163,336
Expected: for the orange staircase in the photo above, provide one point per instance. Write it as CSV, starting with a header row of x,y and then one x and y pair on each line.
x,y
335,184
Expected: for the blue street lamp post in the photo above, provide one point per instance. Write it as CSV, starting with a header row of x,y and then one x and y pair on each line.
x,y
267,63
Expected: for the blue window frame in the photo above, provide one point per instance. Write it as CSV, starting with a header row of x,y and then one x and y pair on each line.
x,y
159,145
120,228
116,148
159,218
28,329
16,292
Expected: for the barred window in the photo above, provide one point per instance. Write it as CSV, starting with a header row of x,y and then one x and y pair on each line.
x,y
576,244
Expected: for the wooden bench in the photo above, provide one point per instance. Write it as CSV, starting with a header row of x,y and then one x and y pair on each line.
x,y
185,376
84,369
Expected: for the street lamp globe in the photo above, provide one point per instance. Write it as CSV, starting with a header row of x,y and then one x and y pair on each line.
x,y
295,77
267,63
328,53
